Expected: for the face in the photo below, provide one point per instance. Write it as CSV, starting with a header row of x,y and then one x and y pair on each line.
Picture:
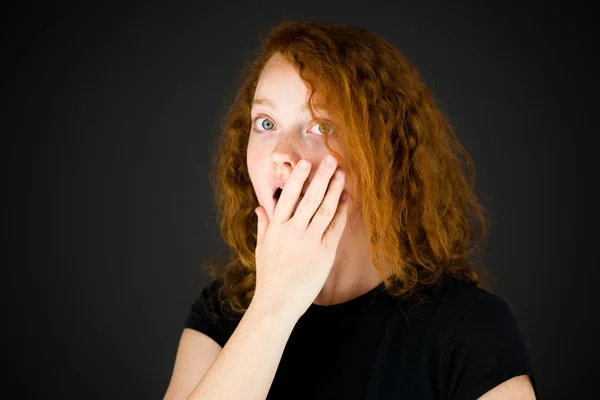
x,y
283,131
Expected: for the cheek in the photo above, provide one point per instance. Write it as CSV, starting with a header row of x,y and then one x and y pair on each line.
x,y
257,164
253,160
258,150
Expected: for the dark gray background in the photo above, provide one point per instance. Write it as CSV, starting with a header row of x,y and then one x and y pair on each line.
x,y
111,112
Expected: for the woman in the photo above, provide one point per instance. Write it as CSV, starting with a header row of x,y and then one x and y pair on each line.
x,y
351,278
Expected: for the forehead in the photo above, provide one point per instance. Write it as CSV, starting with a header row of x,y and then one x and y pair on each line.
x,y
280,85
279,77
278,66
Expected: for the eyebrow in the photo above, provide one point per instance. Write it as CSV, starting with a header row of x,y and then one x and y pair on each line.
x,y
269,103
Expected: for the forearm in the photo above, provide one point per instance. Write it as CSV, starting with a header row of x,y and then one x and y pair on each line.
x,y
246,365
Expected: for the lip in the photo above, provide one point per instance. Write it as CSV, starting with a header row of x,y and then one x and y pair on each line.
x,y
279,182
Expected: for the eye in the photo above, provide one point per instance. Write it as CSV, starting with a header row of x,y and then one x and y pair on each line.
x,y
323,128
266,124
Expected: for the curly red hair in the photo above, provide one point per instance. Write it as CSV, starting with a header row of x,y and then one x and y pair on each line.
x,y
404,161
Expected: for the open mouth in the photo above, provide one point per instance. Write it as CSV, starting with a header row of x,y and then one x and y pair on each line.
x,y
277,194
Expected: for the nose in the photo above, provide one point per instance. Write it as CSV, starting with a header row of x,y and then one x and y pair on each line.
x,y
285,155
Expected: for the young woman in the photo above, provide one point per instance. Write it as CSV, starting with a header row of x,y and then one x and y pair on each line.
x,y
348,205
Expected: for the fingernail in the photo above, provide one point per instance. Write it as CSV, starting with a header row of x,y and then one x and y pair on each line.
x,y
329,160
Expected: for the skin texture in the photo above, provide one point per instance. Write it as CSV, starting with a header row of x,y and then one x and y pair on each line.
x,y
283,135
517,388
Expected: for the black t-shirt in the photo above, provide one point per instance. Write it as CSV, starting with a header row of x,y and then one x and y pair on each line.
x,y
457,343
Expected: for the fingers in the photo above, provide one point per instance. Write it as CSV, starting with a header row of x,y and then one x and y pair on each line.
x,y
291,192
262,223
315,192
333,231
330,218
320,210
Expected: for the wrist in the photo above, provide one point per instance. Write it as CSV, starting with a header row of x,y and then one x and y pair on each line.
x,y
277,313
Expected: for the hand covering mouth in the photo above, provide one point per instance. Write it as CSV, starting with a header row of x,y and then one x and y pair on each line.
x,y
278,191
277,194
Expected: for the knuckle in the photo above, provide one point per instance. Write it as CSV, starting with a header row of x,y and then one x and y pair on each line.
x,y
333,225
324,210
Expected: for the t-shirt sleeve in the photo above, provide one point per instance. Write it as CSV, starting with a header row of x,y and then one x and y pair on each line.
x,y
486,350
206,315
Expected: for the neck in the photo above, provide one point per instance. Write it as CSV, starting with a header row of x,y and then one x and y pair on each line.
x,y
353,272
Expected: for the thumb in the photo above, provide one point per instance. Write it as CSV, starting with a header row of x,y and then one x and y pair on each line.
x,y
263,223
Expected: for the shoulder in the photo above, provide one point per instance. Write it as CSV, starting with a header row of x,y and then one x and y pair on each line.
x,y
209,298
212,300
209,315
483,345
471,302
474,311
452,303
466,316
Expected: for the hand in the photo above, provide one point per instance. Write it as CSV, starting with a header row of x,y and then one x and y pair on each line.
x,y
294,254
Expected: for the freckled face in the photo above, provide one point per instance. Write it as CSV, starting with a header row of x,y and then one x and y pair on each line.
x,y
283,131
